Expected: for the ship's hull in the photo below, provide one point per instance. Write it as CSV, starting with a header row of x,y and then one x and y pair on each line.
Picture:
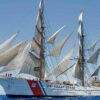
x,y
23,87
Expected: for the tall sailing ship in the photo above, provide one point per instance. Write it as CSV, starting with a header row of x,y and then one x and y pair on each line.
x,y
30,58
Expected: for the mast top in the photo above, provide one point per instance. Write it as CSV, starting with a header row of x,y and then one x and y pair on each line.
x,y
80,18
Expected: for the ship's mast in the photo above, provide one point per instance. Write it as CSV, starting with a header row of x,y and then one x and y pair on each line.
x,y
81,46
42,58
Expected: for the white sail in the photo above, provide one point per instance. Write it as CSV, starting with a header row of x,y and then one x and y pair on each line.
x,y
63,65
29,63
81,16
77,72
93,59
56,51
38,44
9,54
53,37
5,45
92,47
17,62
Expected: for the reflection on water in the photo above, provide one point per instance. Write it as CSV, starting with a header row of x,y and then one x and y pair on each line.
x,y
54,98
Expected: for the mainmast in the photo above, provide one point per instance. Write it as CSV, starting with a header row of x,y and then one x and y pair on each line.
x,y
39,40
81,46
42,58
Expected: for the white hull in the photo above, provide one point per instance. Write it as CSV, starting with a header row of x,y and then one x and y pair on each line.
x,y
13,86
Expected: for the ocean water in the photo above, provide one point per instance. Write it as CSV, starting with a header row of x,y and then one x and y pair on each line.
x,y
54,98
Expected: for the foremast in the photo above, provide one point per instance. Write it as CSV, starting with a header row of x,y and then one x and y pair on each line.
x,y
81,46
42,58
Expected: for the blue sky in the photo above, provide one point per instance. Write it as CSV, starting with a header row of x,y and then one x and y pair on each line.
x,y
20,15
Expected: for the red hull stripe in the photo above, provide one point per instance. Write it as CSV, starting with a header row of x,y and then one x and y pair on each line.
x,y
35,88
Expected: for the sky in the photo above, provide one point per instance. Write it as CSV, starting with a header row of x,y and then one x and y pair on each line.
x,y
20,15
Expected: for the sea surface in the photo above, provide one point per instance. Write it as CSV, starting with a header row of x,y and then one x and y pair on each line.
x,y
54,98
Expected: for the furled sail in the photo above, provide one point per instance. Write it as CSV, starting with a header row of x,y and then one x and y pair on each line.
x,y
80,30
96,72
53,37
80,18
35,46
92,47
7,43
37,39
56,51
39,17
39,24
77,72
17,61
9,54
93,59
38,43
63,65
